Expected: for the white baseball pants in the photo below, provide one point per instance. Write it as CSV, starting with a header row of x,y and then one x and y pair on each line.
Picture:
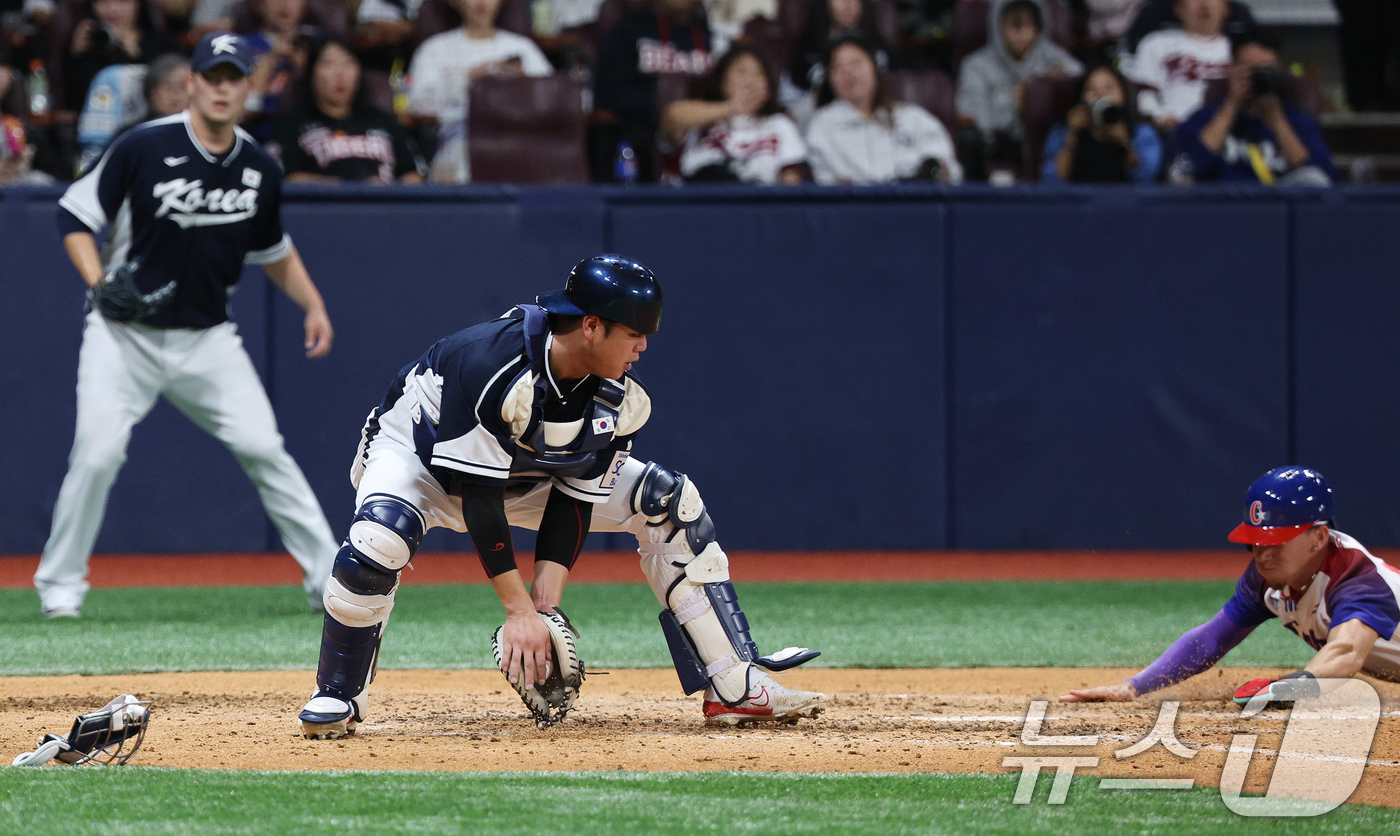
x,y
122,370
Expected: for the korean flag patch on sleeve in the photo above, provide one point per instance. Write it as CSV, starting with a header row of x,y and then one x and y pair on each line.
x,y
252,178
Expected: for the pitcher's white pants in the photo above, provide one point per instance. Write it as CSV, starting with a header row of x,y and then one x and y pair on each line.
x,y
206,374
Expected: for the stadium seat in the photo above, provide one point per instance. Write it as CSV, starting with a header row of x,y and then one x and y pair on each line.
x,y
1048,99
527,130
930,89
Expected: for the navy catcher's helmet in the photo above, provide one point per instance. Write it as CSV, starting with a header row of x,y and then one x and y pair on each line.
x,y
1282,504
610,286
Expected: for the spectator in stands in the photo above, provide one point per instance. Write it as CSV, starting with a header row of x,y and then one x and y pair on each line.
x,y
212,16
1105,24
449,62
110,32
992,81
127,94
1101,140
280,46
1157,15
734,131
670,36
17,155
384,32
861,135
1369,40
1173,66
1256,134
828,22
25,28
727,18
336,135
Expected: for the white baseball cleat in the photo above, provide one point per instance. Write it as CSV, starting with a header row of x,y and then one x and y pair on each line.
x,y
767,702
63,612
328,718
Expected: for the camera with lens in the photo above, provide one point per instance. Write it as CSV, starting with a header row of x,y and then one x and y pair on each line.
x,y
1105,112
100,39
929,169
1267,81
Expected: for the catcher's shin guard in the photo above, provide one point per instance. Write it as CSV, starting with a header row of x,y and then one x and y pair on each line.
x,y
707,632
360,594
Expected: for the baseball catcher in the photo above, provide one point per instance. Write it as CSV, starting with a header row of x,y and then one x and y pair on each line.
x,y
529,420
109,736
1320,583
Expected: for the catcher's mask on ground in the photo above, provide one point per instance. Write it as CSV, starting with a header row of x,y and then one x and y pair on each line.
x,y
109,736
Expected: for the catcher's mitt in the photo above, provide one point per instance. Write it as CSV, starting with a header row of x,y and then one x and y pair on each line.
x,y
553,700
119,299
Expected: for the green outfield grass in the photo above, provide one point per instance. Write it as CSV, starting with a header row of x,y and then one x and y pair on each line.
x,y
954,624
156,801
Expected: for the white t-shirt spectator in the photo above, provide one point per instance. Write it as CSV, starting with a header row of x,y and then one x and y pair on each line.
x,y
1172,67
438,87
756,149
844,146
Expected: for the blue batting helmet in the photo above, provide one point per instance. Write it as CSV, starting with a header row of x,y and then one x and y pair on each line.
x,y
1282,504
610,286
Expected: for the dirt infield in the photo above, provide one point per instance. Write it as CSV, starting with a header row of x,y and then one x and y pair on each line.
x,y
878,721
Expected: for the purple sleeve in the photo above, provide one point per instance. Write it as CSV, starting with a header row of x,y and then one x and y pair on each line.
x,y
1195,651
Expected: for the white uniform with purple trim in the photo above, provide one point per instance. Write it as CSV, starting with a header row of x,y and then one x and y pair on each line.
x,y
1352,584
193,218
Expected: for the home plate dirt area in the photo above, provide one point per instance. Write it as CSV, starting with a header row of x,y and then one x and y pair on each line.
x,y
944,720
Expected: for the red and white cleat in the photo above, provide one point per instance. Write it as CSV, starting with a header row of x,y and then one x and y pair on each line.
x,y
768,702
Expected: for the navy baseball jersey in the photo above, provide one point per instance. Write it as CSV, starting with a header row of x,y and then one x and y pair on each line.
x,y
182,215
484,407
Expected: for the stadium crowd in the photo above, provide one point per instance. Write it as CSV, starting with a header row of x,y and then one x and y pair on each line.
x,y
759,91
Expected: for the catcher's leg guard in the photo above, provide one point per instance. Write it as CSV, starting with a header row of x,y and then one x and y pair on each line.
x,y
706,630
384,536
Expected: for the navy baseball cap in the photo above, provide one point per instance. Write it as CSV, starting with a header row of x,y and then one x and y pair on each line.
x,y
222,48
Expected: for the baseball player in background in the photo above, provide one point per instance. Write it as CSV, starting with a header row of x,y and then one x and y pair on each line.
x,y
1322,584
191,198
528,420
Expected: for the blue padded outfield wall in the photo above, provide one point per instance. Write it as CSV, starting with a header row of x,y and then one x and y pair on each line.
x,y
899,368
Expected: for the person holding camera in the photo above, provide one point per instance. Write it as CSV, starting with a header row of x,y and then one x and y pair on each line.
x,y
110,32
1255,134
861,134
1101,139
280,47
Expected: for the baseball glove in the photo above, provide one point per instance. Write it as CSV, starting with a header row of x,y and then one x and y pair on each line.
x,y
119,299
552,701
